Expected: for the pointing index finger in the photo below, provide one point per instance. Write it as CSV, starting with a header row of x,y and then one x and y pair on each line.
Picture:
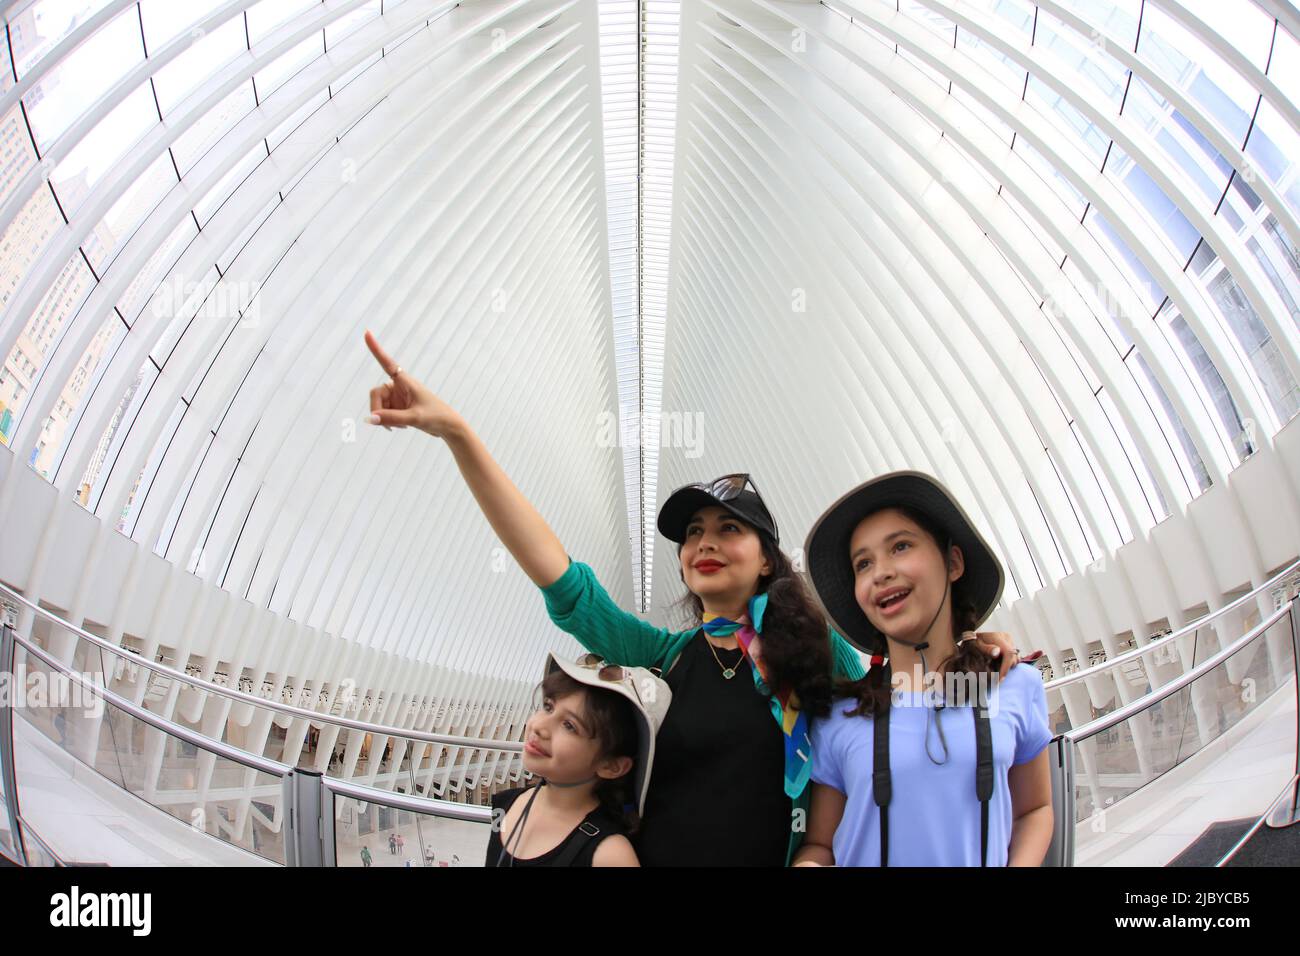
x,y
380,355
386,363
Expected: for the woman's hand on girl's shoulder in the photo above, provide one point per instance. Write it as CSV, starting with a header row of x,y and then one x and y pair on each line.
x,y
615,850
1001,646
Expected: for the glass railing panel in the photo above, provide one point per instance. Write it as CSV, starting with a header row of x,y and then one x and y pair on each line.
x,y
1086,700
314,743
369,834
1156,663
63,732
1135,780
8,846
259,725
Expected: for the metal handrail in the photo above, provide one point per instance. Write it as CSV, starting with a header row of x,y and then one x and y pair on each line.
x,y
510,746
203,742
455,811
406,801
1183,631
1106,721
372,795
1063,788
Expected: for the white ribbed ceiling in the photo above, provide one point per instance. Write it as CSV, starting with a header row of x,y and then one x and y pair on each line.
x,y
1044,251
991,241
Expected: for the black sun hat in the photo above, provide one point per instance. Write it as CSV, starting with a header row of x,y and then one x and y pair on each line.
x,y
827,550
732,492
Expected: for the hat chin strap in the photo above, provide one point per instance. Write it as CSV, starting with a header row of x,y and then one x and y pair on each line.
x,y
920,649
922,644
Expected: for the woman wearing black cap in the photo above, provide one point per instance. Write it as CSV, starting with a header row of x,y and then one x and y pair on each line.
x,y
732,767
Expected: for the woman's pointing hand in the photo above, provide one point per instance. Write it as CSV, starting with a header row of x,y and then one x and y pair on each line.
x,y
405,401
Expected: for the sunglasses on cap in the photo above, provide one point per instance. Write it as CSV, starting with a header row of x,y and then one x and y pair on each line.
x,y
614,673
730,486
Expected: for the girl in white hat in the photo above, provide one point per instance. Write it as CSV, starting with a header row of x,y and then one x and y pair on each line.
x,y
591,745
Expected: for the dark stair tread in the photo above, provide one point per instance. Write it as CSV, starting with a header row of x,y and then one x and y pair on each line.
x,y
1214,843
1268,846
1271,847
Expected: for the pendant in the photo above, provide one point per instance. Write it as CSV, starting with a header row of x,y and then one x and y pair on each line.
x,y
729,673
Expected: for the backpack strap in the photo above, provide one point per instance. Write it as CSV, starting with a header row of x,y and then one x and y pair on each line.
x,y
983,775
583,836
881,784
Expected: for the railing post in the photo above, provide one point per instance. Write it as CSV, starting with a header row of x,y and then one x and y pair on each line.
x,y
8,773
329,842
303,843
1295,659
1061,850
1287,813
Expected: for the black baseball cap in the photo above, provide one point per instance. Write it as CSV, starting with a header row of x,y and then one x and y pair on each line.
x,y
732,492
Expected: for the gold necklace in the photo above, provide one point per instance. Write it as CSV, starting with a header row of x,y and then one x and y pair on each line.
x,y
727,672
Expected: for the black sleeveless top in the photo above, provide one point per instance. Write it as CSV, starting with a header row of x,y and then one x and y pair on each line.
x,y
600,820
717,789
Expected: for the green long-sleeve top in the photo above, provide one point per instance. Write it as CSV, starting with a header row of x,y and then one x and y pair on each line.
x,y
578,604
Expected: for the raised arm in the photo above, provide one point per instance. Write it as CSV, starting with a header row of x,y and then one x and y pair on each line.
x,y
575,600
404,403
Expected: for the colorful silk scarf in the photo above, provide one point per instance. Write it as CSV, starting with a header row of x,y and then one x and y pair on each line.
x,y
785,702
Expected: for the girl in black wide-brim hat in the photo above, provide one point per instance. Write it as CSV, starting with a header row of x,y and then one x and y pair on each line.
x,y
929,760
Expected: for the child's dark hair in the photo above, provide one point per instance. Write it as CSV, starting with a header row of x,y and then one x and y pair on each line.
x,y
614,721
872,692
796,639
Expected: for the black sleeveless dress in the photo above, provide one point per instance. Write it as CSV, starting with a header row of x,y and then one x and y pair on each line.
x,y
577,849
717,789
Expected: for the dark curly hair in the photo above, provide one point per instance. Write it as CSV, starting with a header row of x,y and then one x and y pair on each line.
x,y
796,645
872,692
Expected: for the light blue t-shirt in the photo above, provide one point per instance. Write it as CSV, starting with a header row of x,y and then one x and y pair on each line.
x,y
934,814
